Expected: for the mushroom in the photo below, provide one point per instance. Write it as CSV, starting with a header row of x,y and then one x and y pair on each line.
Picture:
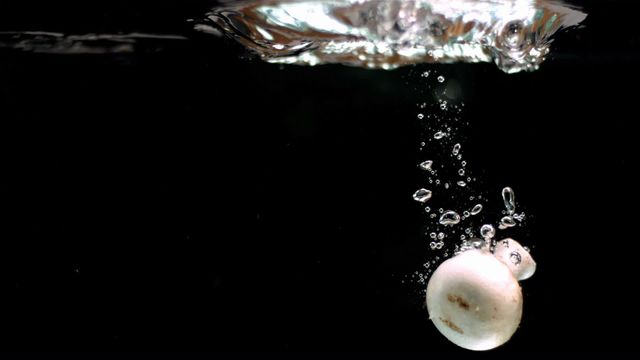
x,y
474,298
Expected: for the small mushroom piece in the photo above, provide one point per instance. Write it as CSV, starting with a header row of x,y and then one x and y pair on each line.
x,y
517,259
474,299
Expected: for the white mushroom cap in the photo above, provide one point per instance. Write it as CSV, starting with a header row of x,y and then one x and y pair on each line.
x,y
517,259
474,300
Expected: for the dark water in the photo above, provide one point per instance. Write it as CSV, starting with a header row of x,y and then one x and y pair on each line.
x,y
185,196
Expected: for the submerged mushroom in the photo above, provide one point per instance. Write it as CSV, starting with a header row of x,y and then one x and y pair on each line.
x,y
474,298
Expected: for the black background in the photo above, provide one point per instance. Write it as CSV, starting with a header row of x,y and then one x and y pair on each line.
x,y
193,198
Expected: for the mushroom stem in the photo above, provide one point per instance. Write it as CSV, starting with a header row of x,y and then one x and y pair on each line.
x,y
517,259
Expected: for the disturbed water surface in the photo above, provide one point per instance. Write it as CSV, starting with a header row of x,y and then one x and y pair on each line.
x,y
96,44
387,34
515,35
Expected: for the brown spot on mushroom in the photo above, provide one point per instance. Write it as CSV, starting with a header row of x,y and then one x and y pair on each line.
x,y
453,326
458,300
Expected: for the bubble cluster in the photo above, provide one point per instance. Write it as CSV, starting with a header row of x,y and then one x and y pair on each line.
x,y
462,216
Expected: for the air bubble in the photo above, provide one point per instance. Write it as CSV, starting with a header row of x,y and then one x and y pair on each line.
x,y
426,165
515,258
456,149
519,217
509,199
487,231
507,222
422,195
449,218
513,36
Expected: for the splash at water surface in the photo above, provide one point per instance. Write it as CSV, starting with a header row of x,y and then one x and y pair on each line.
x,y
515,34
